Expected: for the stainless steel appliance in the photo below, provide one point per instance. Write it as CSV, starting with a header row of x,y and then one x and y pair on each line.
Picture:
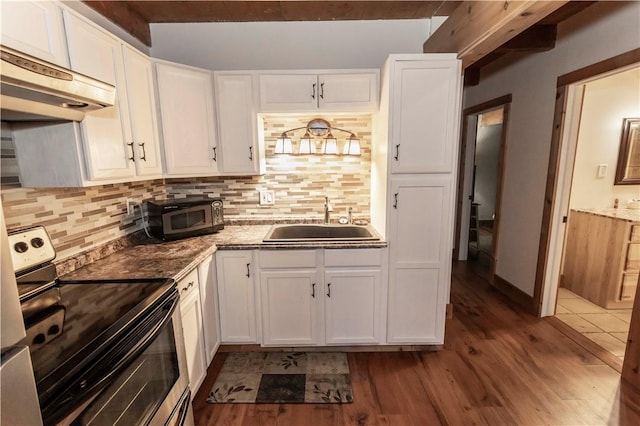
x,y
33,89
174,219
103,352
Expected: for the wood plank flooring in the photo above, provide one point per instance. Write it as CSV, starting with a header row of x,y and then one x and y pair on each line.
x,y
498,367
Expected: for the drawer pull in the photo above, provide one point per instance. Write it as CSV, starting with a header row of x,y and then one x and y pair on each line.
x,y
329,290
248,270
144,152
395,201
188,286
313,290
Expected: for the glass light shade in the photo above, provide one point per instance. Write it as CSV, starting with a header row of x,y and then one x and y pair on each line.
x,y
307,145
329,145
352,146
283,145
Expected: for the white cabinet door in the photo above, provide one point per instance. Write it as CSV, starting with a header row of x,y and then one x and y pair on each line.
x,y
210,314
237,124
352,300
191,311
236,295
185,96
423,124
142,112
107,142
289,307
348,92
288,92
35,28
420,236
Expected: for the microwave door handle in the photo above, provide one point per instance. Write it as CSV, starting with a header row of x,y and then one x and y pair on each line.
x,y
93,379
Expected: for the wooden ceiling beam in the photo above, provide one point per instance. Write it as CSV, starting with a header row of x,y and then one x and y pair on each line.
x,y
476,29
124,16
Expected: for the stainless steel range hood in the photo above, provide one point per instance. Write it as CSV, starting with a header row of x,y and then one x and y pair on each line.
x,y
35,90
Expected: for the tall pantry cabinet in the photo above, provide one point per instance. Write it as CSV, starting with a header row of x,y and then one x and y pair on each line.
x,y
413,176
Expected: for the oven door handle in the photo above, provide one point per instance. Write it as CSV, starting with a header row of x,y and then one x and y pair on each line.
x,y
113,362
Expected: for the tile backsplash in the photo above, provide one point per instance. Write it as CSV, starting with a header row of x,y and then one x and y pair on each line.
x,y
78,219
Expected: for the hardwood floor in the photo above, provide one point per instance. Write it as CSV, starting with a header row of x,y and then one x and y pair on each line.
x,y
498,366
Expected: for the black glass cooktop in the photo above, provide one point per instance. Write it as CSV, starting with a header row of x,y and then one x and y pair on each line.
x,y
93,314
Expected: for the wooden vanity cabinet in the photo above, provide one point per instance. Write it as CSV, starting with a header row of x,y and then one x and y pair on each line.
x,y
602,259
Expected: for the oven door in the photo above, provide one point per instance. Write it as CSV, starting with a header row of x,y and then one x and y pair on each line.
x,y
186,220
153,389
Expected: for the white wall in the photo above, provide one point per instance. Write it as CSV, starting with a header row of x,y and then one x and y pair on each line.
x,y
606,102
287,45
613,29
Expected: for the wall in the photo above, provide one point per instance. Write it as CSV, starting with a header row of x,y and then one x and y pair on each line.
x,y
486,161
300,183
287,45
606,102
77,218
612,28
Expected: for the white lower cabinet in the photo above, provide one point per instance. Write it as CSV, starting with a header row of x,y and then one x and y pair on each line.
x,y
321,297
192,327
210,314
236,294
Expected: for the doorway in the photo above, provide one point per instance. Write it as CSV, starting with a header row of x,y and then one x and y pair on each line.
x,y
484,140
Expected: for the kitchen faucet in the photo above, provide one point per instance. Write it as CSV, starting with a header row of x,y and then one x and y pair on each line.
x,y
327,209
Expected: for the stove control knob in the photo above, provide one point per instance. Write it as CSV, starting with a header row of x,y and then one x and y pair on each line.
x,y
37,242
20,247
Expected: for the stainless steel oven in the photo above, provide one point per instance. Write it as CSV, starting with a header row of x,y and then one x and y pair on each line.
x,y
107,352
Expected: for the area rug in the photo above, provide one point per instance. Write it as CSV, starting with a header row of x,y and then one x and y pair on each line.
x,y
283,377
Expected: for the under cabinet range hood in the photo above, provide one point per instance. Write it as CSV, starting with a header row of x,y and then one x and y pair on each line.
x,y
35,90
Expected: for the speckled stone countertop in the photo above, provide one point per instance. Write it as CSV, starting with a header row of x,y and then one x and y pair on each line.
x,y
151,258
629,215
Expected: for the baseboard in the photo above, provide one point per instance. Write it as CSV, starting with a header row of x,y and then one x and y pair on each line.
x,y
363,348
521,298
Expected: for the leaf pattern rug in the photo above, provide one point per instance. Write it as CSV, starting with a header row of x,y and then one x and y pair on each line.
x,y
283,377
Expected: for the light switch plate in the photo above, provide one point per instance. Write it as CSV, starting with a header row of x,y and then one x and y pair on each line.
x,y
267,198
602,171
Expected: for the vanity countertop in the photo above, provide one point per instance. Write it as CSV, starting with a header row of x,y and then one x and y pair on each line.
x,y
630,215
151,258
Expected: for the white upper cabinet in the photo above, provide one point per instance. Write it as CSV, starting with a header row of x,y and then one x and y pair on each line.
x,y
424,103
97,54
238,124
35,28
309,91
187,114
142,112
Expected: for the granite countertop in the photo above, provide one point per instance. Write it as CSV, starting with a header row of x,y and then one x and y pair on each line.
x,y
151,258
630,215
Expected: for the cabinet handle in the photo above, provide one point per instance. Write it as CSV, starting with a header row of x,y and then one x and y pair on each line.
x,y
329,290
395,200
250,153
215,154
248,270
188,286
132,158
313,95
321,90
313,290
144,152
397,152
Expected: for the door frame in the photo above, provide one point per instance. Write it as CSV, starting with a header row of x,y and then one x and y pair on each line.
x,y
462,207
547,269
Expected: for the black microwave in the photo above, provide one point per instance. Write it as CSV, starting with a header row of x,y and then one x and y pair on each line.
x,y
182,218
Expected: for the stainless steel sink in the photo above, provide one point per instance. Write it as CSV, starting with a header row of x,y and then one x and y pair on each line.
x,y
304,232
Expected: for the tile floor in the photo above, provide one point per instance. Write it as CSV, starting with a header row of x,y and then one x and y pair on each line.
x,y
609,328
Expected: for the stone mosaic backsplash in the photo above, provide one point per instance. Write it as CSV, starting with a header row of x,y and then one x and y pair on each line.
x,y
79,219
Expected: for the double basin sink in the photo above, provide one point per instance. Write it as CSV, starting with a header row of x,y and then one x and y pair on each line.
x,y
312,233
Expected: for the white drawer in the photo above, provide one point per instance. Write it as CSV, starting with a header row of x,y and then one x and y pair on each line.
x,y
188,284
635,233
288,258
353,257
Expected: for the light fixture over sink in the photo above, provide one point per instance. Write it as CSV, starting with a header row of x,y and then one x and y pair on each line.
x,y
318,127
